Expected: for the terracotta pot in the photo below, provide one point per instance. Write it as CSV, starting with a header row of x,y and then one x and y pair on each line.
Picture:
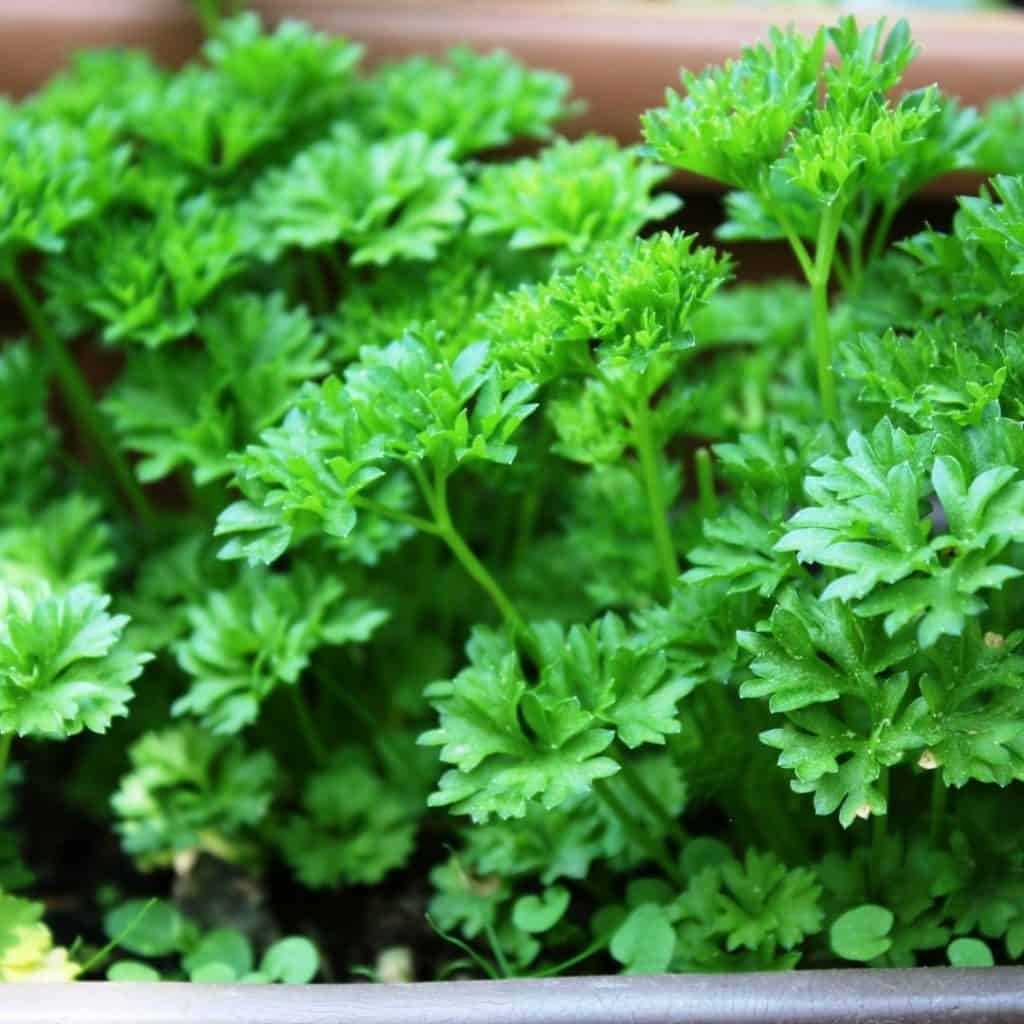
x,y
918,996
622,55
38,36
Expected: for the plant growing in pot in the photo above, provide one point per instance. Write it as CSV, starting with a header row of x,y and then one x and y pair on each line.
x,y
455,554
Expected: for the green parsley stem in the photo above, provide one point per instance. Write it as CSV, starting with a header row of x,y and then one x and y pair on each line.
x,y
473,956
707,500
843,274
777,831
643,793
753,405
101,954
722,708
504,970
337,267
5,752
938,805
726,718
656,503
390,757
317,284
437,498
529,512
882,230
79,398
824,253
637,832
306,723
856,257
880,828
795,241
396,514
595,947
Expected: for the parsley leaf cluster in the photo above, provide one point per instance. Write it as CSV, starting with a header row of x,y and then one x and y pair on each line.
x,y
391,507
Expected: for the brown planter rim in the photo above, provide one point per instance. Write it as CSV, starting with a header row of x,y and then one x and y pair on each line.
x,y
621,56
874,996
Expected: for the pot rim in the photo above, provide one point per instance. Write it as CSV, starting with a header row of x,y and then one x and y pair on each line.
x,y
919,995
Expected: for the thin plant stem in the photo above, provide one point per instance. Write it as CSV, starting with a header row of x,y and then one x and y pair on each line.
x,y
499,955
337,267
389,755
824,252
707,500
730,726
5,753
595,947
777,832
637,832
938,805
657,506
843,274
882,231
856,251
396,514
753,405
446,529
317,284
529,511
79,398
470,952
880,828
643,793
101,954
307,725
795,241
722,708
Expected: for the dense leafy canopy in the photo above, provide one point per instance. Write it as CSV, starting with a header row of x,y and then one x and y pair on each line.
x,y
460,538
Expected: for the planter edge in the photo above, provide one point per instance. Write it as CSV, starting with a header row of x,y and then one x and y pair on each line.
x,y
622,56
857,996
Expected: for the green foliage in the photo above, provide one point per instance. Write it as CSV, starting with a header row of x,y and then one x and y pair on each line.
x,y
27,439
397,199
410,404
862,933
247,641
512,742
869,522
570,197
27,952
635,301
194,409
54,175
1001,149
354,828
157,930
499,559
974,269
478,101
817,653
144,279
64,666
64,544
755,912
731,915
187,790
